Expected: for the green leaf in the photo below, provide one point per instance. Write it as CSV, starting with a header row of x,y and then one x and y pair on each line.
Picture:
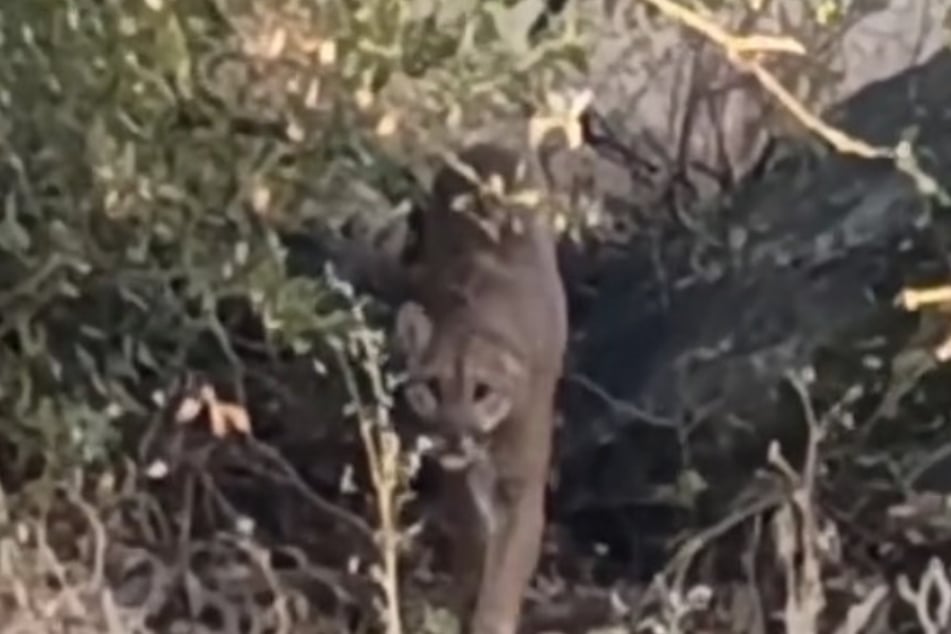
x,y
13,236
420,10
451,11
513,24
172,53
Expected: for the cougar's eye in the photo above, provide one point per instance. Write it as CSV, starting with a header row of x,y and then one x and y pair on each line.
x,y
423,397
491,409
482,390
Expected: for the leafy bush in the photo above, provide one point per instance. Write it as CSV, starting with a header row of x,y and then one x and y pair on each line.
x,y
154,152
155,157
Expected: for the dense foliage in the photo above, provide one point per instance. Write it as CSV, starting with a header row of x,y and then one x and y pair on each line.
x,y
153,152
166,168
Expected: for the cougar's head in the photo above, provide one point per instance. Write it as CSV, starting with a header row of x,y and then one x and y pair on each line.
x,y
460,381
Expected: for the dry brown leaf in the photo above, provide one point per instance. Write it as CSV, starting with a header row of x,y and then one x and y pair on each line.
x,y
188,409
236,417
216,419
914,298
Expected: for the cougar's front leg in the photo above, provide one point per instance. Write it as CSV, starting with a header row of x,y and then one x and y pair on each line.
x,y
467,541
512,551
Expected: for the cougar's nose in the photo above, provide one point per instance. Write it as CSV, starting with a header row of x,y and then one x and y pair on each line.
x,y
460,421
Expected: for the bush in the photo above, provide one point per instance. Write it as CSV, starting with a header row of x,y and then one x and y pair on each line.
x,y
155,157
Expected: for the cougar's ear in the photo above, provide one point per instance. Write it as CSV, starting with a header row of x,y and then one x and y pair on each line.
x,y
414,328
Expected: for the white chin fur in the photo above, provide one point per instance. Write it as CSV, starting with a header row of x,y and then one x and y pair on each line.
x,y
455,461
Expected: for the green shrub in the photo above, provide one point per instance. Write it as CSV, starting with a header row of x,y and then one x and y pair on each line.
x,y
152,154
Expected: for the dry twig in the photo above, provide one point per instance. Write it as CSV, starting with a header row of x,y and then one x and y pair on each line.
x,y
744,53
796,527
931,600
938,297
382,447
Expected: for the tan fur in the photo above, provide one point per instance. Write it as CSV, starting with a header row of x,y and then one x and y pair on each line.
x,y
484,339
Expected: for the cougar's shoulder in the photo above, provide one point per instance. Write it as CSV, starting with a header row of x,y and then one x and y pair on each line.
x,y
496,264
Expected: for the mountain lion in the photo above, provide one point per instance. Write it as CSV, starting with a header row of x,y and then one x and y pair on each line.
x,y
483,339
